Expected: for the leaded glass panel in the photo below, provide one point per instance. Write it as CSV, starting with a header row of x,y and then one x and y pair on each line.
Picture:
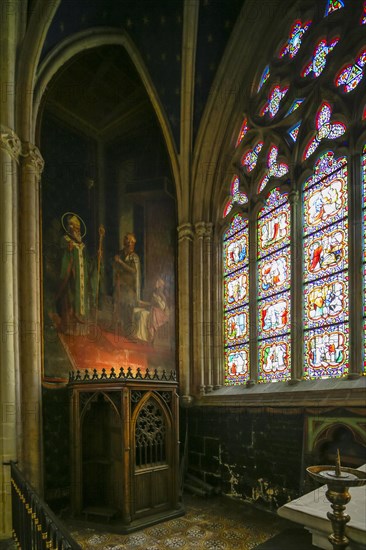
x,y
274,273
274,356
236,364
325,314
326,352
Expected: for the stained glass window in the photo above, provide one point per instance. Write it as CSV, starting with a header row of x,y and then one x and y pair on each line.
x,y
274,289
351,75
243,130
272,105
236,196
307,120
363,16
319,59
333,5
296,104
324,129
249,160
264,78
274,169
325,222
236,298
294,131
293,43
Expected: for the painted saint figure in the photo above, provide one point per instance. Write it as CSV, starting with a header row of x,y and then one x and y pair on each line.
x,y
127,284
72,298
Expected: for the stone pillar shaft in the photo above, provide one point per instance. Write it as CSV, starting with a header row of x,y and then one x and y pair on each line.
x,y
10,148
207,313
30,322
185,236
198,307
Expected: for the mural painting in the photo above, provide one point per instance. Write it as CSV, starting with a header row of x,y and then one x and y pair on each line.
x,y
108,269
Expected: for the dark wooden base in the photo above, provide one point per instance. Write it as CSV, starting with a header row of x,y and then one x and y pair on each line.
x,y
115,525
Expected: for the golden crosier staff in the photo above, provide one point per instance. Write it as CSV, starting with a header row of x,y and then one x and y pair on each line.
x,y
100,255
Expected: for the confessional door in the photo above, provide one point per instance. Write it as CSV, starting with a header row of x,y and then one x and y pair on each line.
x,y
125,451
152,465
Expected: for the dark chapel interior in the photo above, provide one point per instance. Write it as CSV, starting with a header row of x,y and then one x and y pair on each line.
x,y
156,135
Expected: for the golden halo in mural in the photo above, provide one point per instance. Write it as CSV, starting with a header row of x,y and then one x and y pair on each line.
x,y
77,217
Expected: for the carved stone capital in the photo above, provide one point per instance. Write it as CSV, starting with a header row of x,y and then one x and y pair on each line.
x,y
293,197
10,143
185,232
33,158
200,229
209,228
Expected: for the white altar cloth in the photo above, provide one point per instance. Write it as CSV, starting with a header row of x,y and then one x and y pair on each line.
x,y
310,510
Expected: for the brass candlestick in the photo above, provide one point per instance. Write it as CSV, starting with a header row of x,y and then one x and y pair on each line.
x,y
338,480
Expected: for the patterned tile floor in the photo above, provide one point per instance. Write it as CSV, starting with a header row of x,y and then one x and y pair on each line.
x,y
216,523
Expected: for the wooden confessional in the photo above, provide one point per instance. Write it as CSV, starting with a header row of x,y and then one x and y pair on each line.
x,y
125,448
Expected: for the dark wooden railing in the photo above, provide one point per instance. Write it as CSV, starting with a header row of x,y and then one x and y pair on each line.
x,y
35,526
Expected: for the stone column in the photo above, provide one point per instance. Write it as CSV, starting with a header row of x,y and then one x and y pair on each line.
x,y
216,314
10,148
207,313
297,354
30,315
198,306
185,236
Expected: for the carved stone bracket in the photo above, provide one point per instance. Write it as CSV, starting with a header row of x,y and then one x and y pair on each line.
x,y
185,232
33,158
200,229
10,142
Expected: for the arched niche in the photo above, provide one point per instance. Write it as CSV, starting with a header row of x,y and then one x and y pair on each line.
x,y
101,452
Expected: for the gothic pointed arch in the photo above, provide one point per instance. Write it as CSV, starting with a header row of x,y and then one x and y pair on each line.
x,y
93,38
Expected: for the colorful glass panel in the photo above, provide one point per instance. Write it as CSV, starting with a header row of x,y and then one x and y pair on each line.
x,y
236,365
236,326
274,273
275,97
326,251
249,160
273,231
325,165
236,289
326,352
352,74
238,223
294,131
243,130
325,130
236,310
228,207
333,5
236,252
264,78
295,105
274,169
325,269
326,302
274,315
293,43
363,16
274,199
236,196
319,59
325,201
274,357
